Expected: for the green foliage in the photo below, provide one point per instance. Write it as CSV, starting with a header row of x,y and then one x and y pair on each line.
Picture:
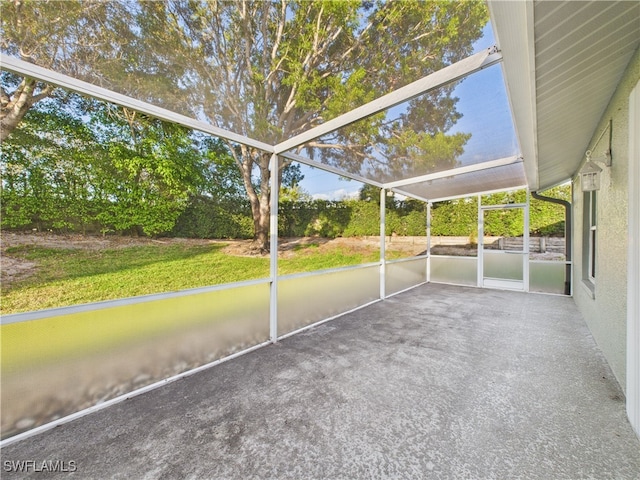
x,y
84,166
268,70
45,180
459,217
206,218
364,219
411,223
203,218
548,219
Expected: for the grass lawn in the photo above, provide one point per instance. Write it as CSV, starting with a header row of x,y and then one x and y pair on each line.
x,y
76,276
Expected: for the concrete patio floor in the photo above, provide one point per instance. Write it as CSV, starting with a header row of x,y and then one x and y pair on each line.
x,y
437,382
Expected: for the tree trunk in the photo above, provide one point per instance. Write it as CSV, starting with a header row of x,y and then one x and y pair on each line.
x,y
259,201
14,106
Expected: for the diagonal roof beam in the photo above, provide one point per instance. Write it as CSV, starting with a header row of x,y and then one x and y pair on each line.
x,y
471,194
449,74
455,171
328,168
21,67
412,195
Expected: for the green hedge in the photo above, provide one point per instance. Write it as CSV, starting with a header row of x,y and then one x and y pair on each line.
x,y
205,218
460,217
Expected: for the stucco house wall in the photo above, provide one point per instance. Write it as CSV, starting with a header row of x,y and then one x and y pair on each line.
x,y
603,304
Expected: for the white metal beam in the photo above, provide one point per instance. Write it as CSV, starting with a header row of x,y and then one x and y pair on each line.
x,y
329,168
429,205
466,195
449,74
455,171
21,67
409,195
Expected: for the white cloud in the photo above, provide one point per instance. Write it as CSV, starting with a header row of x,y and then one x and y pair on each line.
x,y
340,194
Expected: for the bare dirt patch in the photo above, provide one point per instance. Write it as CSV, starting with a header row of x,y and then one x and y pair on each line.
x,y
14,267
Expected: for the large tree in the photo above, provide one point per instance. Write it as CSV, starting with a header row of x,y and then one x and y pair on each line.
x,y
271,70
65,36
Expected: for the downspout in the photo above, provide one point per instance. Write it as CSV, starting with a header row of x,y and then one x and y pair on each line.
x,y
567,236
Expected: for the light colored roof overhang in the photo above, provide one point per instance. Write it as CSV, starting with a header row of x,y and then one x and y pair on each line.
x,y
562,61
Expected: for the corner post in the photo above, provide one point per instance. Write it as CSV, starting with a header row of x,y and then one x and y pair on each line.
x,y
273,250
480,279
527,246
383,201
429,242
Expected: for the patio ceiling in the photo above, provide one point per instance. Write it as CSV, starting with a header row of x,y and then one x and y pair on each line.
x,y
561,62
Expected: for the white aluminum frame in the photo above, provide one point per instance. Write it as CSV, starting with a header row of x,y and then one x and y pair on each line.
x,y
383,246
27,69
428,219
633,265
504,283
273,248
449,74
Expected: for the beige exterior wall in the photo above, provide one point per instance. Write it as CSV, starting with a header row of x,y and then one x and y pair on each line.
x,y
604,305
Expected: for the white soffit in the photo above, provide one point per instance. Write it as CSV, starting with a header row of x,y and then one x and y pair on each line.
x,y
562,62
582,51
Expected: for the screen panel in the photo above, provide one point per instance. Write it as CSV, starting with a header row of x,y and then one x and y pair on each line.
x,y
304,300
547,277
78,357
456,270
405,274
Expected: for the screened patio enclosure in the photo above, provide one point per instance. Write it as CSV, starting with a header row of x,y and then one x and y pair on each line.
x,y
156,68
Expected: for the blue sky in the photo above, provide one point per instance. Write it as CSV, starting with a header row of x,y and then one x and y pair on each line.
x,y
486,115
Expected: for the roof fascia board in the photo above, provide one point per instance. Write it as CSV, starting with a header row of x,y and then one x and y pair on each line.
x,y
328,168
451,73
455,171
513,24
21,67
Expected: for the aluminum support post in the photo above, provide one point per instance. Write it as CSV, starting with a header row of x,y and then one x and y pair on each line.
x,y
383,196
273,249
428,242
480,279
